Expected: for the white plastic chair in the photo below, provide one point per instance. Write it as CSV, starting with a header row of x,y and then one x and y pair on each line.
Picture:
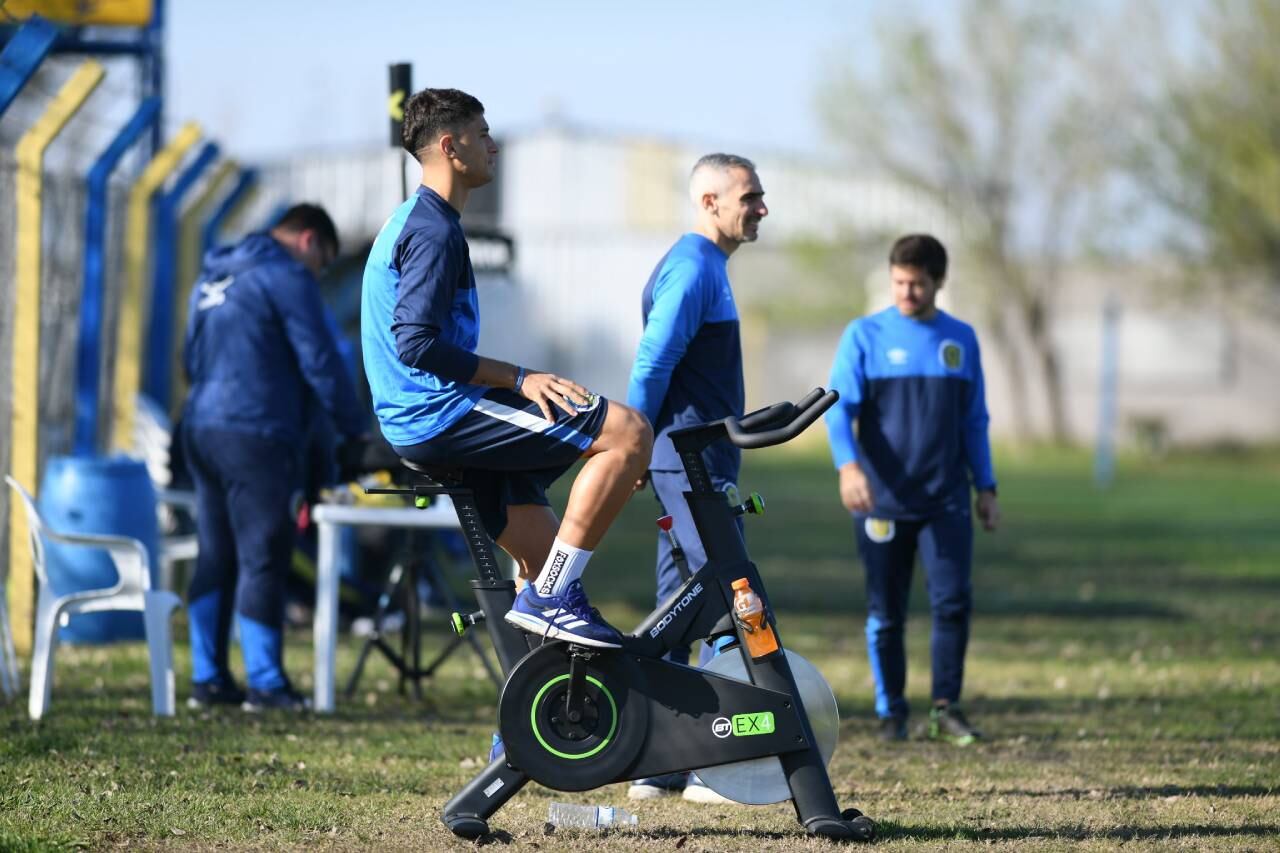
x,y
153,443
10,684
174,547
131,592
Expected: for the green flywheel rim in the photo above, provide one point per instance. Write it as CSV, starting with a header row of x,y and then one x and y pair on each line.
x,y
533,719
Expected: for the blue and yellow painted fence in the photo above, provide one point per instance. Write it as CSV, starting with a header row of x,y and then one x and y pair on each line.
x,y
24,427
120,13
231,206
89,344
158,374
128,373
21,57
190,255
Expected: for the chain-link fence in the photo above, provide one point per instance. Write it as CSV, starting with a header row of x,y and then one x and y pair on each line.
x,y
61,234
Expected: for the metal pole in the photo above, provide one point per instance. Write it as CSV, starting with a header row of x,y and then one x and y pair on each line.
x,y
22,55
244,187
132,302
401,79
1104,462
89,349
157,381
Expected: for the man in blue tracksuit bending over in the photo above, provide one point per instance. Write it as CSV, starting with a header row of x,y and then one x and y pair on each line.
x,y
910,379
257,350
688,368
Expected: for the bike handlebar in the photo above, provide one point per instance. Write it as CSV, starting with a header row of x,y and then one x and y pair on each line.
x,y
768,417
780,422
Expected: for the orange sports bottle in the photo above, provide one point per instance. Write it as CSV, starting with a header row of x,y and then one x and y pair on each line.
x,y
749,611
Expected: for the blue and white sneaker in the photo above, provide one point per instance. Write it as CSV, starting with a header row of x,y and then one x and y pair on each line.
x,y
568,617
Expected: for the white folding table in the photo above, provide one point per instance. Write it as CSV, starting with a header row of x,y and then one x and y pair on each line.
x,y
328,517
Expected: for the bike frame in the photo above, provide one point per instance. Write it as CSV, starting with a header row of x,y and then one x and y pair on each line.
x,y
701,608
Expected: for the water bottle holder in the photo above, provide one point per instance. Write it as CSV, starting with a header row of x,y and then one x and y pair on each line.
x,y
763,634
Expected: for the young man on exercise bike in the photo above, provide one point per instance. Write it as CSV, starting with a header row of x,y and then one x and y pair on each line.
x,y
513,430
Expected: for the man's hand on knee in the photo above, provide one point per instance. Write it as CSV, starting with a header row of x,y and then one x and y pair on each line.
x,y
547,389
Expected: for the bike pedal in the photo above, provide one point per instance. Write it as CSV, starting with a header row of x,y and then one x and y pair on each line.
x,y
460,623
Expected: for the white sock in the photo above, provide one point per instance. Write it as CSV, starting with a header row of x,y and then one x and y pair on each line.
x,y
564,565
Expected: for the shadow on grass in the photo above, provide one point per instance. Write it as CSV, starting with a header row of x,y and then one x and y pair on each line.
x,y
1076,610
655,834
19,744
1205,704
890,831
1142,792
852,603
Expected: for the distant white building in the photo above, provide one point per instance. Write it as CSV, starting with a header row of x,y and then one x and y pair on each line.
x,y
591,215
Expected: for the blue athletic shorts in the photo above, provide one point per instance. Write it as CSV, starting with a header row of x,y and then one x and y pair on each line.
x,y
509,453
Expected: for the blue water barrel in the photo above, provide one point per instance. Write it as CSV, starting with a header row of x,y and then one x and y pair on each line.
x,y
96,494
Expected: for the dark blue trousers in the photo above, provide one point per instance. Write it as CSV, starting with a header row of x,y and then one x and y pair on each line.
x,y
669,488
246,534
888,550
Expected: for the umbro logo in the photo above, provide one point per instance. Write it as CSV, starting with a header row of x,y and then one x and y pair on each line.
x,y
214,293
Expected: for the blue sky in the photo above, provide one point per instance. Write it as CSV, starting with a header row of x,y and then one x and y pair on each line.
x,y
271,78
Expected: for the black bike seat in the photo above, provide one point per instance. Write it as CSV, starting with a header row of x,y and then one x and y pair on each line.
x,y
439,474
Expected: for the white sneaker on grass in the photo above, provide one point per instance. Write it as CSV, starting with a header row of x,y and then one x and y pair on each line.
x,y
653,787
698,792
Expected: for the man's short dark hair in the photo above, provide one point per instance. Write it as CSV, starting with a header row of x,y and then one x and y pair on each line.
x,y
431,112
920,250
310,217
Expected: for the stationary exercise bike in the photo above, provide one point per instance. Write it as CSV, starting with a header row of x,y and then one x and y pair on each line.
x,y
574,718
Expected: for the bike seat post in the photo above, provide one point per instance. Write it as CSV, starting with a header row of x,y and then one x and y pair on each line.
x,y
494,593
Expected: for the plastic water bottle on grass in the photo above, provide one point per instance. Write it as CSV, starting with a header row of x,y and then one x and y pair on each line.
x,y
571,816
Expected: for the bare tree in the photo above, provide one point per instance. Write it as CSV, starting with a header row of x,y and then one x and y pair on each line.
x,y
1206,152
997,127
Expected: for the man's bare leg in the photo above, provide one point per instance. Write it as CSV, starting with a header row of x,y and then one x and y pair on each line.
x,y
616,460
553,604
528,536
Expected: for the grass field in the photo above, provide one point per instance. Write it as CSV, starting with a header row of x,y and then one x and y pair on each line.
x,y
1125,663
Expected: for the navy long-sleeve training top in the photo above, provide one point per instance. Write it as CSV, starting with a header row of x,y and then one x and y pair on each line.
x,y
688,368
420,321
915,390
257,345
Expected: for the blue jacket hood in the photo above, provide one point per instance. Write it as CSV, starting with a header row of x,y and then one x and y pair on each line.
x,y
257,248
